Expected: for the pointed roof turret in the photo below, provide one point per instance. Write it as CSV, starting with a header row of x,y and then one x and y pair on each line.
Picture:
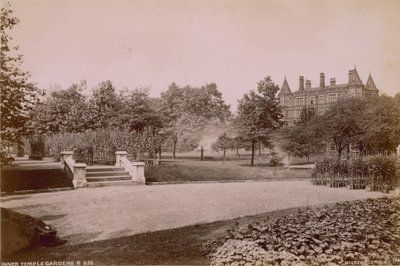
x,y
285,88
370,85
354,78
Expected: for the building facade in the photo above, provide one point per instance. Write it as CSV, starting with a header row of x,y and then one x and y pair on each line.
x,y
323,96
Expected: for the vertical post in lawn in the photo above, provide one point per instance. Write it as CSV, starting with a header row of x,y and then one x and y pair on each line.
x,y
252,151
224,154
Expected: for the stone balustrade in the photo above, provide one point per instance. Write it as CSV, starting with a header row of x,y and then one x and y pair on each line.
x,y
135,169
76,171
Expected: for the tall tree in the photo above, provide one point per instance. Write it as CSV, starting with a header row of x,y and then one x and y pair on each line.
x,y
105,104
381,124
172,107
18,95
137,112
304,137
224,143
189,112
343,123
63,111
259,114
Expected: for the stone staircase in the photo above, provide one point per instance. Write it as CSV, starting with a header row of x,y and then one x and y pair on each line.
x,y
99,176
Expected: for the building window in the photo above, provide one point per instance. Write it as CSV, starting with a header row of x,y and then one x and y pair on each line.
x,y
312,100
332,98
298,113
299,101
321,99
352,92
358,93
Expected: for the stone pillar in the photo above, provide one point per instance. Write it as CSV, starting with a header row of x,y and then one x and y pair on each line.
x,y
139,173
119,155
64,156
79,175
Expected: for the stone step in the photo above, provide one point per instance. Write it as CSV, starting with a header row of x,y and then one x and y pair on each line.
x,y
111,183
108,178
103,169
106,173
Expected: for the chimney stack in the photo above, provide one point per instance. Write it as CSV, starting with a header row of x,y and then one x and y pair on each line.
x,y
308,84
333,82
322,80
301,83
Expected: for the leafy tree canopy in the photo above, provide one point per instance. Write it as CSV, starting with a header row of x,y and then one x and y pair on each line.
x,y
259,113
18,95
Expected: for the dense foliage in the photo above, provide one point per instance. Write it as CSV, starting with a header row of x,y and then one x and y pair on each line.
x,y
304,138
259,114
362,232
224,143
193,114
100,145
369,125
18,94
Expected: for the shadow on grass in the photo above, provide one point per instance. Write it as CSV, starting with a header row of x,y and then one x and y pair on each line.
x,y
180,246
33,179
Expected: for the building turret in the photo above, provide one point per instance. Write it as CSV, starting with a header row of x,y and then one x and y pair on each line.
x,y
370,86
354,78
285,88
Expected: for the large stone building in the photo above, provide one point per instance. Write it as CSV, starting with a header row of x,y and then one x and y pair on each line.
x,y
323,96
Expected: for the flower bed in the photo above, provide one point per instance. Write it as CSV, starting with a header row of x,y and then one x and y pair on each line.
x,y
361,232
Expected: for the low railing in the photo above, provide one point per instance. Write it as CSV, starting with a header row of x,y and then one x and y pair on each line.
x,y
76,171
135,169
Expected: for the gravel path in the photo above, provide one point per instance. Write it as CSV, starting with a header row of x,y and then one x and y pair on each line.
x,y
85,215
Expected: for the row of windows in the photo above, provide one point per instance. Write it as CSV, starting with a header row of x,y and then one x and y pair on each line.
x,y
329,98
297,112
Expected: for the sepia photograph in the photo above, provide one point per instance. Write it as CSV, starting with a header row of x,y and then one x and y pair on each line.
x,y
200,132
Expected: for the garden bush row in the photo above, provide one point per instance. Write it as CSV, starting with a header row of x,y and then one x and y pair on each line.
x,y
374,173
97,146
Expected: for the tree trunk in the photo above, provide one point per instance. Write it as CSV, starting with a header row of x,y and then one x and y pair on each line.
x,y
20,150
174,151
224,154
339,153
308,158
237,151
159,153
252,152
259,148
202,153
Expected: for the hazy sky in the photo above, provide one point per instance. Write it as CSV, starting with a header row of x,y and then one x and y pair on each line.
x,y
232,43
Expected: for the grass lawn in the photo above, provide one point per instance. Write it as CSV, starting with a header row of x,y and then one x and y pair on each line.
x,y
181,246
32,178
192,170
